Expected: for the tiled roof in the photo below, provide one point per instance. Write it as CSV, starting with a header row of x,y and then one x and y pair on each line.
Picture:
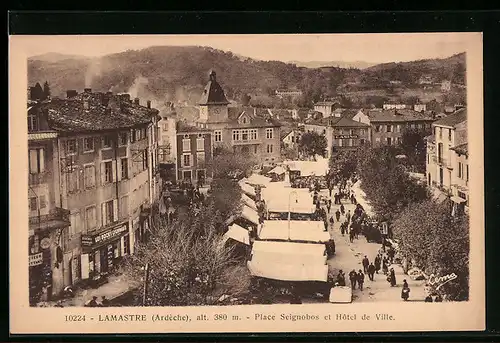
x,y
104,112
184,127
462,149
213,92
188,113
255,120
350,113
453,119
405,115
285,132
337,122
327,103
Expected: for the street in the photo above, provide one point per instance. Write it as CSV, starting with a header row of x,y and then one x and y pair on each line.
x,y
348,256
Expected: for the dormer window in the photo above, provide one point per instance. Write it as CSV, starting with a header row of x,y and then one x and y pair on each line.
x,y
245,120
32,122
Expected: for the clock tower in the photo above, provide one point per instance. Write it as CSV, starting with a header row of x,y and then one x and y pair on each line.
x,y
213,102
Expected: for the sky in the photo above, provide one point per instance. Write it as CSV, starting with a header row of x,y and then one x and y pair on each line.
x,y
374,48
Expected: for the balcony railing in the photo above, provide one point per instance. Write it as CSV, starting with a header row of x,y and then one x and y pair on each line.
x,y
57,213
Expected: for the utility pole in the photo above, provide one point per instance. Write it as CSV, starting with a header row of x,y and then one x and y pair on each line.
x,y
146,281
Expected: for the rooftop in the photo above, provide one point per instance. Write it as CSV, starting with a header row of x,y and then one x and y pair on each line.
x,y
183,127
213,94
462,149
95,112
337,122
404,115
453,119
257,117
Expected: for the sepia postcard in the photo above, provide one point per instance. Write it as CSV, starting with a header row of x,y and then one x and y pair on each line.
x,y
246,183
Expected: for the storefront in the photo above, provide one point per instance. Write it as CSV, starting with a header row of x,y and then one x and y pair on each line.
x,y
101,252
40,269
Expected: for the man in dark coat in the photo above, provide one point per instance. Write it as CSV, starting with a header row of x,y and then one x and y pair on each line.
x,y
342,209
351,235
361,279
337,215
354,278
365,263
348,216
329,205
371,271
392,277
341,278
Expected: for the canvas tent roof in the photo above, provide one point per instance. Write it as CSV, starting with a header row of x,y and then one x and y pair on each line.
x,y
277,170
309,168
309,231
250,215
246,200
246,188
256,179
280,200
289,248
237,233
288,272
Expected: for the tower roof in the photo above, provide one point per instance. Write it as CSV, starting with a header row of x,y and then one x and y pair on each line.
x,y
213,94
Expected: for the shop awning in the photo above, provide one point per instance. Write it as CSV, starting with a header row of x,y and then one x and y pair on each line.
x,y
309,168
256,179
289,248
250,215
247,189
237,233
280,199
457,200
249,202
288,272
307,231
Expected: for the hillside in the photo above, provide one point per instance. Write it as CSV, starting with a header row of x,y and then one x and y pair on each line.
x,y
340,64
169,73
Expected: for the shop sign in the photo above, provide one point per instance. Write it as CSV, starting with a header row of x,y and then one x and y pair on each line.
x,y
89,240
346,136
36,259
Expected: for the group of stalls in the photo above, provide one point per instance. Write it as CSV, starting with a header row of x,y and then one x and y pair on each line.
x,y
286,246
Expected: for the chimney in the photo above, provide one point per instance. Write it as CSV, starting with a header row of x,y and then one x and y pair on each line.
x,y
148,103
70,93
136,101
87,90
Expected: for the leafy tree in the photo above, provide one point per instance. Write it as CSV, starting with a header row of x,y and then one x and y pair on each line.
x,y
414,147
225,196
437,243
343,164
228,164
312,144
245,99
289,153
37,92
188,264
46,90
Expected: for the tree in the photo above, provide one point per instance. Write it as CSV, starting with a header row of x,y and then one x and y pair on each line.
x,y
46,90
188,263
312,144
245,99
37,92
437,243
343,164
414,147
228,164
225,195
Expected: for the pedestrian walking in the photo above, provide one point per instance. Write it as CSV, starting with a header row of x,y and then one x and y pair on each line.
x,y
361,280
371,271
93,302
365,263
405,292
385,267
392,278
105,302
348,216
353,277
337,215
342,209
332,221
377,263
329,205
341,278
390,253
351,235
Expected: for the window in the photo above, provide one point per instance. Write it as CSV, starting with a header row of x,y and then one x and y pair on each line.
x,y
88,144
37,161
362,132
186,160
123,138
186,144
460,173
200,143
244,135
133,137
106,142
467,172
89,176
73,181
255,149
440,133
377,128
109,211
108,172
164,126
389,141
75,221
449,135
145,159
245,120
398,128
389,128
269,148
253,134
362,141
32,123
236,135
71,146
186,175
90,218
33,204
269,133
123,213
200,157
42,201
144,134
124,166
218,136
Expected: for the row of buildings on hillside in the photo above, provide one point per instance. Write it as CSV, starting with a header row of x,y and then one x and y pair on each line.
x,y
93,182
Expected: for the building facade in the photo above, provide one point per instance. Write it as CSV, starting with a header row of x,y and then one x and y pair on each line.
x,y
242,131
327,107
167,144
447,166
388,125
194,154
105,147
394,106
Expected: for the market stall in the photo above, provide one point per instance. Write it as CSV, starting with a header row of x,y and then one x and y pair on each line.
x,y
295,230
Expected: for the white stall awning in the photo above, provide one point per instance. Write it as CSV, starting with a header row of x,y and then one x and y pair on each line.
x,y
257,179
299,230
237,233
246,200
288,272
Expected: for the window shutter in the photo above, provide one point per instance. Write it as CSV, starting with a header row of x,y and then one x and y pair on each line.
x,y
122,246
33,161
113,170
103,173
119,168
42,160
85,266
115,210
103,214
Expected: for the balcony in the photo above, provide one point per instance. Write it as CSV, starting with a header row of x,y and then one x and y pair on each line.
x,y
57,218
442,161
38,178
